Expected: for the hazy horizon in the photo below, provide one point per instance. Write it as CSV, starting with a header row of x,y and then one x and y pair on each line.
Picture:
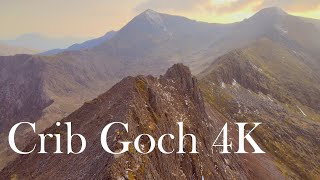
x,y
83,19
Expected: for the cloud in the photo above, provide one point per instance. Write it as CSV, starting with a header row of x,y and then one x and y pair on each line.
x,y
164,5
294,5
234,6
227,6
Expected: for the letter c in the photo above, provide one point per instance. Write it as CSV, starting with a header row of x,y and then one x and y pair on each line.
x,y
161,146
12,141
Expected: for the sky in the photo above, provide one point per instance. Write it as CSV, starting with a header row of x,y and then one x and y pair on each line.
x,y
93,18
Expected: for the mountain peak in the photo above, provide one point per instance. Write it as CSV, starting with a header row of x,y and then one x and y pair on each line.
x,y
271,11
267,16
150,17
153,17
178,70
148,11
183,80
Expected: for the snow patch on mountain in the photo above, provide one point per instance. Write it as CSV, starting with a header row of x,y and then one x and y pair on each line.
x,y
155,19
301,111
234,82
223,85
281,29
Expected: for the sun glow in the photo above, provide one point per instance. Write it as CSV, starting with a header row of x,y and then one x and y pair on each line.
x,y
222,12
310,14
222,2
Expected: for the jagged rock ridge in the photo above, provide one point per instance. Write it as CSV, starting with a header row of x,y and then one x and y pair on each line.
x,y
149,105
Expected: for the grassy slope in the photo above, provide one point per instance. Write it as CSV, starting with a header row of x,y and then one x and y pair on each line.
x,y
269,83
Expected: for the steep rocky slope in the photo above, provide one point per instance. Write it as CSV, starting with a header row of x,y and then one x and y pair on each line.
x,y
149,105
272,84
44,90
22,97
65,81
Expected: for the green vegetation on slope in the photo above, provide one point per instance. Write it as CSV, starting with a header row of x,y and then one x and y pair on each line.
x,y
271,84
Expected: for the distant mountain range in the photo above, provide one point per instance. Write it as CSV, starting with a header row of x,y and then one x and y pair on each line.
x,y
263,68
6,50
82,46
41,42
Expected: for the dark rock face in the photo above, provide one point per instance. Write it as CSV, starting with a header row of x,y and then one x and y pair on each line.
x,y
149,105
21,90
188,84
22,97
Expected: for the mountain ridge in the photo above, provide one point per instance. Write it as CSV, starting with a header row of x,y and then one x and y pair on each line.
x,y
82,46
67,80
268,82
147,104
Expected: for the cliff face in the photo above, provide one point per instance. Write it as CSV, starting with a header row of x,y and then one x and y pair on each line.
x,y
149,105
22,97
